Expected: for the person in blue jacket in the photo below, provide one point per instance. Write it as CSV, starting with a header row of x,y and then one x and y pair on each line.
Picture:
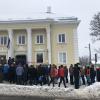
x,y
5,72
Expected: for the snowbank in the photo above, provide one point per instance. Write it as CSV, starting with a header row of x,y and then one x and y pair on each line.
x,y
89,92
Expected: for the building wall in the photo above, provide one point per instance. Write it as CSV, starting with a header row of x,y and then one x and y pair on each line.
x,y
68,46
70,31
22,25
19,49
39,47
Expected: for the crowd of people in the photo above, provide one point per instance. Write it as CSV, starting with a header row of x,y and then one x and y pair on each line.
x,y
49,74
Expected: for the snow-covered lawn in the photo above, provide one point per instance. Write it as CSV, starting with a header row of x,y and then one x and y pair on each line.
x,y
92,91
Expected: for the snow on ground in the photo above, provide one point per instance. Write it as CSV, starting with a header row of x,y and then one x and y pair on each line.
x,y
92,91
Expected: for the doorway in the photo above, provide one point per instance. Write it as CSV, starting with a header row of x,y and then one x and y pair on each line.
x,y
21,59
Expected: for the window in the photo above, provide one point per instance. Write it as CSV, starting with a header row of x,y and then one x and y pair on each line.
x,y
3,40
40,39
61,38
39,57
62,58
21,39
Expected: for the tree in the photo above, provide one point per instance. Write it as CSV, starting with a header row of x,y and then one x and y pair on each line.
x,y
95,27
95,30
84,60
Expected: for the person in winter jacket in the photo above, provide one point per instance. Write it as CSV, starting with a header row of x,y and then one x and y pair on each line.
x,y
71,74
1,73
76,73
61,73
32,72
66,73
25,74
19,74
12,73
40,74
10,61
5,72
88,75
53,74
98,73
92,74
45,74
82,74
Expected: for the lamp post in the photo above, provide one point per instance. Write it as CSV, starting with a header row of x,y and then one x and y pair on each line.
x,y
89,47
89,53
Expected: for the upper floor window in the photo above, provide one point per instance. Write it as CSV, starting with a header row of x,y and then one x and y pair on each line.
x,y
3,40
61,38
62,57
21,39
39,39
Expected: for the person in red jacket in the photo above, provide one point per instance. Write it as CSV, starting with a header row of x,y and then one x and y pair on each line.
x,y
88,75
53,75
98,73
61,75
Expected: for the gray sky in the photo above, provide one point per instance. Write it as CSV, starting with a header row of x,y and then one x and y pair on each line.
x,y
83,9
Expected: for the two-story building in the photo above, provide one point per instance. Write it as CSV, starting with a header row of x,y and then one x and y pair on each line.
x,y
48,41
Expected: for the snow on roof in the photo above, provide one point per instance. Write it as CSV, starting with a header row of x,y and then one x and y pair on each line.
x,y
39,16
41,20
92,91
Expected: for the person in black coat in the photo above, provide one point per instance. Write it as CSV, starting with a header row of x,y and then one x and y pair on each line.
x,y
10,61
45,74
12,73
25,74
40,73
92,74
98,74
1,73
32,74
76,73
71,68
66,73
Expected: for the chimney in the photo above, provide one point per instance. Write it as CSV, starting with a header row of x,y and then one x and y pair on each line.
x,y
48,10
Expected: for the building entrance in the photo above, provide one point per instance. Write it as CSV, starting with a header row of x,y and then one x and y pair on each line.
x,y
21,59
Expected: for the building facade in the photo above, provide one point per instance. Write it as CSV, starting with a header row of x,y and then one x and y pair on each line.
x,y
47,41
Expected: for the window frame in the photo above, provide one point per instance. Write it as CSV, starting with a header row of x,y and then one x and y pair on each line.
x,y
20,42
62,62
61,38
3,40
39,35
39,52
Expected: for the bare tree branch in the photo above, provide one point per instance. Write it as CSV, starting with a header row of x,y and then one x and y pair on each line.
x,y
95,27
97,50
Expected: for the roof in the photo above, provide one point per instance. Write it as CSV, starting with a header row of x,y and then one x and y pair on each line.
x,y
39,19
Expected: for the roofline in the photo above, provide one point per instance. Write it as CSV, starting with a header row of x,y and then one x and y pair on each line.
x,y
48,20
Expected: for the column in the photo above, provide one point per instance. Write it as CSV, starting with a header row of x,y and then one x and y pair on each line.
x,y
10,48
29,46
49,43
75,37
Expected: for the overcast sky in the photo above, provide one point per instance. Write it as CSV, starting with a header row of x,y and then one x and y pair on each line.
x,y
83,9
